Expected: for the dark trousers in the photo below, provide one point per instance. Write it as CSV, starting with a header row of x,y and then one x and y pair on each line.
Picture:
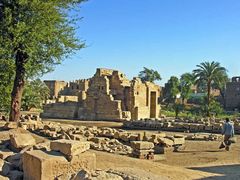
x,y
227,141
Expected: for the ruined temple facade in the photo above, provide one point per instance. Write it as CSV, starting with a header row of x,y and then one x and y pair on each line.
x,y
232,94
108,95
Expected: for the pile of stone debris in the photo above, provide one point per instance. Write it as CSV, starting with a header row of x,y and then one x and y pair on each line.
x,y
104,139
204,137
21,157
110,145
184,125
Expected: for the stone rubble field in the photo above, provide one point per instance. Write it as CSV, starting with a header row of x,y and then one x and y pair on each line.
x,y
66,155
35,149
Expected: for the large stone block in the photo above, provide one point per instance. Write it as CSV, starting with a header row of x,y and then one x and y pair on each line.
x,y
39,165
142,145
21,140
178,141
69,147
11,125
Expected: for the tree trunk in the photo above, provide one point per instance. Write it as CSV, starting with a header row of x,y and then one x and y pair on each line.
x,y
208,96
223,98
183,101
18,86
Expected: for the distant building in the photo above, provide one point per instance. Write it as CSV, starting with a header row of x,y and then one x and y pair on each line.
x,y
232,95
108,95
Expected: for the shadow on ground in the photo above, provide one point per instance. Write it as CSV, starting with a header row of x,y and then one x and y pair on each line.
x,y
226,172
184,151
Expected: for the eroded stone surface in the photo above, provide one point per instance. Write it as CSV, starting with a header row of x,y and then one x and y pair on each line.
x,y
107,95
142,145
39,165
21,140
69,147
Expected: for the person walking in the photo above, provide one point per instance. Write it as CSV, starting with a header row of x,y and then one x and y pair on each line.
x,y
228,132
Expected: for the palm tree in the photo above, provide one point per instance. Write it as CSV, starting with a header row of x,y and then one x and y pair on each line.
x,y
149,75
209,73
186,82
221,85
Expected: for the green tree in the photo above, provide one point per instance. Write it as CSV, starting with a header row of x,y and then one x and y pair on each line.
x,y
172,89
221,85
149,75
209,73
6,82
186,83
35,36
177,108
34,94
215,107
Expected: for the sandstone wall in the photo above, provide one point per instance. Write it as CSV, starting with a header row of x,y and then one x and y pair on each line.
x,y
108,95
61,110
67,98
55,87
232,96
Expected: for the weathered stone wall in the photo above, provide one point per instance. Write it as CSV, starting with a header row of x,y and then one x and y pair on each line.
x,y
145,100
55,87
232,96
74,88
108,95
99,103
61,110
67,98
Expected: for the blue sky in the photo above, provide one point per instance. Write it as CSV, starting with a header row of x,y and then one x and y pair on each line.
x,y
170,36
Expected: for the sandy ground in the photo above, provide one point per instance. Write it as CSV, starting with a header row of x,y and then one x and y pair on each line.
x,y
199,160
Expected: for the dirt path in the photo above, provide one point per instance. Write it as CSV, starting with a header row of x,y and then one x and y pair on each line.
x,y
148,169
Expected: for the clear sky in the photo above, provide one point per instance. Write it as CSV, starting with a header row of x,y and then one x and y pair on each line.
x,y
170,36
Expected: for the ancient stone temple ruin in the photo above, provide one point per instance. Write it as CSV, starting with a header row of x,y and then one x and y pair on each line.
x,y
108,95
232,94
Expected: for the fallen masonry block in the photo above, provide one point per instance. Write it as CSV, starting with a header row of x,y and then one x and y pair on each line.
x,y
178,136
21,140
179,141
99,140
5,153
78,137
69,147
166,142
45,146
11,125
39,165
124,137
1,164
142,145
142,149
133,137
